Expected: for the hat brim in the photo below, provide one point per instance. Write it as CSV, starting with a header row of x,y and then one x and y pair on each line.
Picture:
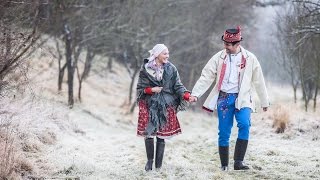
x,y
230,41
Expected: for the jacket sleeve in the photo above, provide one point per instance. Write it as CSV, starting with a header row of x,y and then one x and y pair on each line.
x,y
259,84
142,84
208,75
178,86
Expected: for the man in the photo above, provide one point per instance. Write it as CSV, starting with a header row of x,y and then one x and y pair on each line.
x,y
234,70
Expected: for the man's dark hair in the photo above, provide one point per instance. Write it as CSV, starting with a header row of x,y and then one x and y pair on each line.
x,y
234,43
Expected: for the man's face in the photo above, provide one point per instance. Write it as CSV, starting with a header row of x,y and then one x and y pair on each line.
x,y
230,48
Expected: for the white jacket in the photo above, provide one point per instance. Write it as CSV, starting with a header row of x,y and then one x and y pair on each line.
x,y
250,75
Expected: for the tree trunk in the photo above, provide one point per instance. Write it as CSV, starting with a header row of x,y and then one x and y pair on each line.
x,y
87,64
109,67
315,98
61,74
8,42
87,67
79,90
133,106
80,84
69,65
302,79
295,94
293,84
304,94
131,84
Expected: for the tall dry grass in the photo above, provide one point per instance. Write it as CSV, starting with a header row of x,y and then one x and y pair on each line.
x,y
8,151
12,165
280,118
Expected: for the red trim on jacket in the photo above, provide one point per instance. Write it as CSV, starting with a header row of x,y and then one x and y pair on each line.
x,y
204,108
223,71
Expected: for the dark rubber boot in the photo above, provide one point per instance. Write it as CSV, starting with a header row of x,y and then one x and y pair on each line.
x,y
224,157
150,153
239,152
159,153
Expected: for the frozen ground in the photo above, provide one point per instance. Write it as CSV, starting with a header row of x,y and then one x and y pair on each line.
x,y
97,138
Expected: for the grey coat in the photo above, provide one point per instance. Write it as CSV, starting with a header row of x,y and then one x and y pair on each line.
x,y
171,95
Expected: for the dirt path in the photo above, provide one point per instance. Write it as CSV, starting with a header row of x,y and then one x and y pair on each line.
x,y
114,152
102,141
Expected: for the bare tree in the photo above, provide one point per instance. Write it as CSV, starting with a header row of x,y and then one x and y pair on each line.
x,y
188,34
284,46
125,30
19,34
86,70
301,26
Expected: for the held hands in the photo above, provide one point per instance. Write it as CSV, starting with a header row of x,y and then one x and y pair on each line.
x,y
193,99
187,97
156,89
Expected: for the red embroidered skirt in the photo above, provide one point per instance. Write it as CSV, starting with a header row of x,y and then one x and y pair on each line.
x,y
171,128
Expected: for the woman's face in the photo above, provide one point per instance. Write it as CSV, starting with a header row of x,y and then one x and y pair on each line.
x,y
163,56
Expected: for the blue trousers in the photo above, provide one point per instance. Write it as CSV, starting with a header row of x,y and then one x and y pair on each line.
x,y
226,113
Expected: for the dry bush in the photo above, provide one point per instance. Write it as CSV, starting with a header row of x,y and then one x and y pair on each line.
x,y
29,146
47,137
280,119
20,23
12,165
8,151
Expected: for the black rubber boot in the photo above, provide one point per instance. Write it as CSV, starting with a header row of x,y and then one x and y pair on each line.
x,y
224,157
150,153
159,153
239,152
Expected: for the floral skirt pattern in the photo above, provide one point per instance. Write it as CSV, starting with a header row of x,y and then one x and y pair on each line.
x,y
171,128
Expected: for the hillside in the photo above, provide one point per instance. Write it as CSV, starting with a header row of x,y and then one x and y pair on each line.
x,y
97,138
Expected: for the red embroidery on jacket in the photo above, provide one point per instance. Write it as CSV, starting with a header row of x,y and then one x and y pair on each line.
x,y
223,71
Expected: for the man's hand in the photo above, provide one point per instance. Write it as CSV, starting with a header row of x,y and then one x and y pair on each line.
x,y
193,99
265,109
156,89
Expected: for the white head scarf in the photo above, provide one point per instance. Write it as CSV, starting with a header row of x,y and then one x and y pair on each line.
x,y
156,50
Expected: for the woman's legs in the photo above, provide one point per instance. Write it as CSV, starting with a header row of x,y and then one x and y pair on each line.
x,y
159,152
149,143
150,153
160,140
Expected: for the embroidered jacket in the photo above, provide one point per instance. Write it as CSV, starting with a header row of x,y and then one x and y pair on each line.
x,y
250,75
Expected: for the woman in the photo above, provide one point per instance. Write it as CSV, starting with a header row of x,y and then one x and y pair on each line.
x,y
160,95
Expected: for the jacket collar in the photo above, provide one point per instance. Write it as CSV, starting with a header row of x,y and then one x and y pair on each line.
x,y
243,52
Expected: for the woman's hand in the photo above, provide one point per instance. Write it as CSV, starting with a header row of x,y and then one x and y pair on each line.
x,y
193,99
156,89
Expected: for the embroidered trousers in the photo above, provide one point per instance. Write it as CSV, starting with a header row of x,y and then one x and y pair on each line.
x,y
226,113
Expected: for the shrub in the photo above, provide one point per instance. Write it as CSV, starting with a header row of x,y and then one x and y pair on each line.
x,y
8,154
280,119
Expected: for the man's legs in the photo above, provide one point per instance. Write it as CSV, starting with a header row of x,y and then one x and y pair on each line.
x,y
226,111
243,124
